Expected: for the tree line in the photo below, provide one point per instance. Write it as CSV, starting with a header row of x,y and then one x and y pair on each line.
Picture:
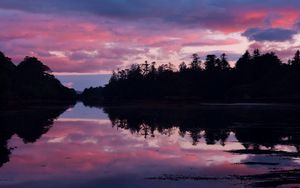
x,y
256,76
30,80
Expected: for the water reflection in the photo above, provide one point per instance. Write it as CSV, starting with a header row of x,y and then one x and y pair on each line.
x,y
209,146
256,127
28,123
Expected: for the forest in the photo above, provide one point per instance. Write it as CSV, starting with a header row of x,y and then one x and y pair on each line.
x,y
30,80
255,77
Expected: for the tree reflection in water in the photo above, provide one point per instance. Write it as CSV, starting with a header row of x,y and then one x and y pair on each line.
x,y
29,123
259,128
254,126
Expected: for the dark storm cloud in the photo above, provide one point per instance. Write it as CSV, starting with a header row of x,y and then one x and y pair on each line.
x,y
270,34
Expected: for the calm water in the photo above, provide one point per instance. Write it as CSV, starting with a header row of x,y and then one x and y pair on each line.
x,y
183,146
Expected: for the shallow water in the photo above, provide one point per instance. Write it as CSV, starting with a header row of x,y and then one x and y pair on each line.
x,y
193,146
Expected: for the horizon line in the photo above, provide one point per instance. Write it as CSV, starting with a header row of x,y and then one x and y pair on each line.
x,y
80,74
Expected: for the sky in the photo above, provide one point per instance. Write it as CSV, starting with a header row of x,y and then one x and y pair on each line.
x,y
80,37
82,81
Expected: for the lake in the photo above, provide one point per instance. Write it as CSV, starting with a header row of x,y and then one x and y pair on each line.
x,y
208,145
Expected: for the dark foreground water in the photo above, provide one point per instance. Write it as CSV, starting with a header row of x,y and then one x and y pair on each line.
x,y
238,145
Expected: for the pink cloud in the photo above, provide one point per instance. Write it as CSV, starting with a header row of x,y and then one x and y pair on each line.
x,y
90,43
284,52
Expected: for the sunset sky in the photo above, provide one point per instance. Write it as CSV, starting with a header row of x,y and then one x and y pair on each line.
x,y
97,36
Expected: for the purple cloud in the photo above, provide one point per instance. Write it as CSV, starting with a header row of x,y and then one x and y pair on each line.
x,y
270,34
99,35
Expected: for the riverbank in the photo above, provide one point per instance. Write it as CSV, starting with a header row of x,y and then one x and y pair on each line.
x,y
176,101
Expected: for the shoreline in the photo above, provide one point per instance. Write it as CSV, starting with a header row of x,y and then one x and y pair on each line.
x,y
155,103
193,101
21,103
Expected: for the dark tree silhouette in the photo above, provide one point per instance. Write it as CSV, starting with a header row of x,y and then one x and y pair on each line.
x,y
196,63
244,62
182,67
30,80
296,60
33,66
256,53
211,62
7,69
257,77
223,63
